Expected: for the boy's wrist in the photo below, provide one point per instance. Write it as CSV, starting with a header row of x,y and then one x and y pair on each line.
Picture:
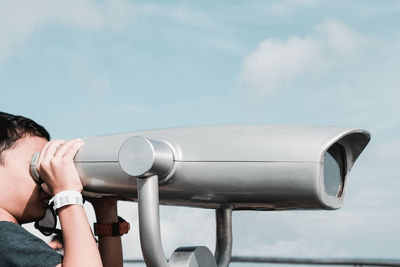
x,y
106,216
67,188
66,198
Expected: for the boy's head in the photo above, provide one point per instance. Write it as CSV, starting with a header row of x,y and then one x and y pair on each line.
x,y
13,128
21,198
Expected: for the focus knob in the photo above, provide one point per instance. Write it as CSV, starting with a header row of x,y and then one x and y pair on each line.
x,y
140,156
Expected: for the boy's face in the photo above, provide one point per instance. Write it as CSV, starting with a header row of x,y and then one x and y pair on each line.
x,y
21,196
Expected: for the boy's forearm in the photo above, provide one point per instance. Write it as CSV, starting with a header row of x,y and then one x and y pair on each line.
x,y
110,247
111,251
79,244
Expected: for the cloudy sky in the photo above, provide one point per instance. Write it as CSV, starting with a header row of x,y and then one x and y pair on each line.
x,y
86,67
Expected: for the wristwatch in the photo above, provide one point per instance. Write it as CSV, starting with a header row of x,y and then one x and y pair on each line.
x,y
112,229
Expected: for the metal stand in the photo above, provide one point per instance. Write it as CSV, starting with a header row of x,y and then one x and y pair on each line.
x,y
157,159
223,248
192,257
150,235
149,222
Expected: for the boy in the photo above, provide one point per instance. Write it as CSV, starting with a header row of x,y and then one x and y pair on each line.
x,y
24,200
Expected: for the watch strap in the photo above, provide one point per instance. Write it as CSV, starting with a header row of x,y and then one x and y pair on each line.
x,y
112,229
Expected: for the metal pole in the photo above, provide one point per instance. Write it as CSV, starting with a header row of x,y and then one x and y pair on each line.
x,y
318,261
149,222
223,249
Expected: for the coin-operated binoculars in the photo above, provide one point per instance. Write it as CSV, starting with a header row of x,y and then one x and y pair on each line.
x,y
222,167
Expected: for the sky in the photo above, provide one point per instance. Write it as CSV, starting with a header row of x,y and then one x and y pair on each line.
x,y
85,67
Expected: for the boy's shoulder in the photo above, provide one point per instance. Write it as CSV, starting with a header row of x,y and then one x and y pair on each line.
x,y
18,247
10,230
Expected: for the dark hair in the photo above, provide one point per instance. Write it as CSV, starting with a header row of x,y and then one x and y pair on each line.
x,y
13,128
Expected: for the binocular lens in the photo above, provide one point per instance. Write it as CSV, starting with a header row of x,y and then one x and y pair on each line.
x,y
334,170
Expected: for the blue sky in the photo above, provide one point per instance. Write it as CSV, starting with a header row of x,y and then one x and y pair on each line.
x,y
85,68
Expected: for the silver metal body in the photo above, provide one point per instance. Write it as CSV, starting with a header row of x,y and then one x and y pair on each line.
x,y
226,168
248,167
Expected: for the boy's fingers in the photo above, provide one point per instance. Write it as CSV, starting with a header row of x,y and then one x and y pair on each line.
x,y
70,153
41,155
45,188
44,151
51,150
62,149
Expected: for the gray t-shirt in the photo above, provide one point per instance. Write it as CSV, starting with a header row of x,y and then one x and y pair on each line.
x,y
18,247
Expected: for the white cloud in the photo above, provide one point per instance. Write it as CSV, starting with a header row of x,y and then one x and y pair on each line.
x,y
315,233
337,37
276,63
20,19
184,13
206,27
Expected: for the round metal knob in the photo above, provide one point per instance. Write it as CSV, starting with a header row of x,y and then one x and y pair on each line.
x,y
140,156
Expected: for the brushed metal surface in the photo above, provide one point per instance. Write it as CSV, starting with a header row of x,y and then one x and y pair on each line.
x,y
223,248
251,167
192,257
149,222
140,156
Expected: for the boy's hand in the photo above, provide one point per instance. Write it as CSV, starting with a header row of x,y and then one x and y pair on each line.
x,y
56,167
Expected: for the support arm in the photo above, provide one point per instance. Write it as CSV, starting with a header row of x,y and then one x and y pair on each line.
x,y
149,222
223,249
